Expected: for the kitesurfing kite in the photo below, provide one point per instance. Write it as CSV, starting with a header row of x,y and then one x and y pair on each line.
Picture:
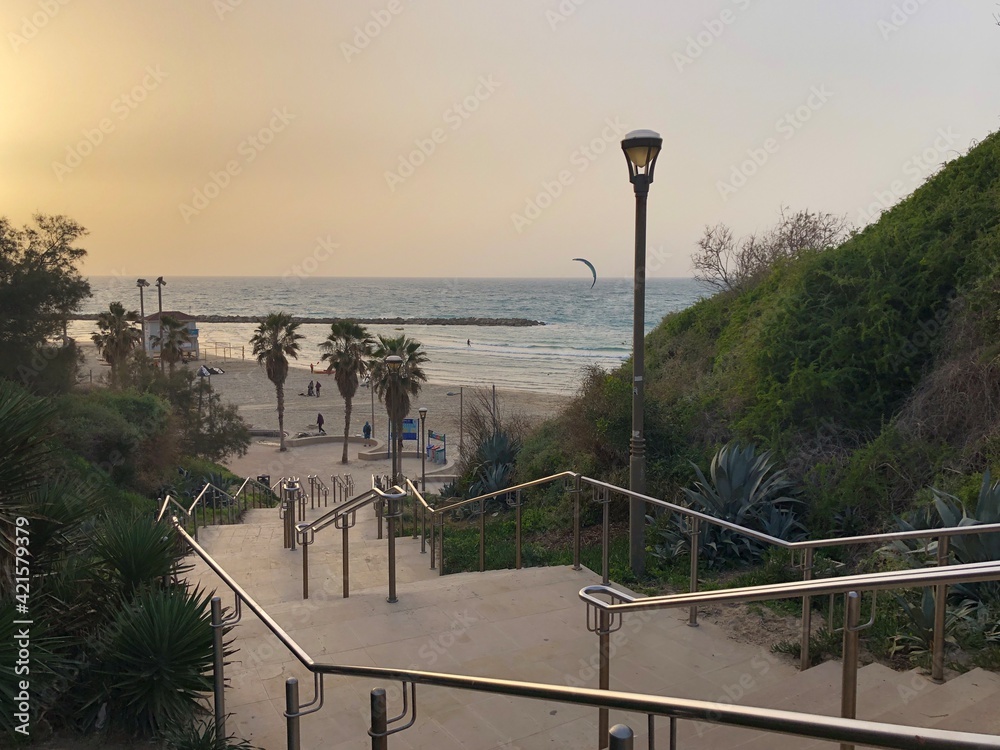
x,y
591,267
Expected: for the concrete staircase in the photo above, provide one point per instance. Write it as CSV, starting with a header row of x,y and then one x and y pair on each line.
x,y
528,625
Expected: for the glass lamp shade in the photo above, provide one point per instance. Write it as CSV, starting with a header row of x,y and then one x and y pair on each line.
x,y
641,148
394,362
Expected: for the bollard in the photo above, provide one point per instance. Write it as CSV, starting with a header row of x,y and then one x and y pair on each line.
x,y
292,713
620,737
380,741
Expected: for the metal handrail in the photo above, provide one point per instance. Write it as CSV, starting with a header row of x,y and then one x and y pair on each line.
x,y
167,501
890,579
507,491
875,734
204,490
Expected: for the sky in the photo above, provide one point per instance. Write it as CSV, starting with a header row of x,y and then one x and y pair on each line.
x,y
455,138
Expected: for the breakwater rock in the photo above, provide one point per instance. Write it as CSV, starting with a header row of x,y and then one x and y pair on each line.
x,y
512,322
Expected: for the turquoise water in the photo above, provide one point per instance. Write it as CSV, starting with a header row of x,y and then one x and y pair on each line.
x,y
584,326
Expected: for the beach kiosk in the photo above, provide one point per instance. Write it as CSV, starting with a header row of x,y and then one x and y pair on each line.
x,y
190,350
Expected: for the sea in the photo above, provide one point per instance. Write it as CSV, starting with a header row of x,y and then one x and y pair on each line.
x,y
584,326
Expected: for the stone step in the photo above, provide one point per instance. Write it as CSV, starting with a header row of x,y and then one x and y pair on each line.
x,y
971,704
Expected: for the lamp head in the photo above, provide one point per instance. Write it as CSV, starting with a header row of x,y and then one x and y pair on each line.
x,y
141,283
423,412
160,281
394,362
641,148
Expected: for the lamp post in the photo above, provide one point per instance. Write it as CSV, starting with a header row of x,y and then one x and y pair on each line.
x,y
160,283
142,284
461,418
393,362
641,148
423,448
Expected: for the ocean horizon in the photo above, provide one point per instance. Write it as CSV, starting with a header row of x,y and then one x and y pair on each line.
x,y
584,326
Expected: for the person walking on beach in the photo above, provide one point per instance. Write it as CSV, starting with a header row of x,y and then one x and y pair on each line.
x,y
319,424
318,384
367,432
309,390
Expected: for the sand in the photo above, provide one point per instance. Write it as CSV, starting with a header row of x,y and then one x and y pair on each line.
x,y
245,384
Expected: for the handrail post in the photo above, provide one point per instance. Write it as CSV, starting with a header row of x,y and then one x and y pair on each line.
x,y
379,514
604,676
347,560
606,545
219,668
415,527
305,567
620,737
441,547
694,544
849,679
940,612
433,541
290,519
380,740
292,713
805,658
577,490
423,529
482,536
517,530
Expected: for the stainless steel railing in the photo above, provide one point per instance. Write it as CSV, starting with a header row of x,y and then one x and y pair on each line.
x,y
232,509
605,617
848,731
603,493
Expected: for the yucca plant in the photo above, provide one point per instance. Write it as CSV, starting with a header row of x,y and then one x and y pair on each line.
x,y
156,661
137,551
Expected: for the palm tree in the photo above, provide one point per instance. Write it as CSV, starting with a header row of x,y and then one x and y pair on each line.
x,y
395,390
116,336
348,349
170,340
277,339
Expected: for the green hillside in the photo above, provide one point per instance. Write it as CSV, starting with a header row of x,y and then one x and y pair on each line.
x,y
869,368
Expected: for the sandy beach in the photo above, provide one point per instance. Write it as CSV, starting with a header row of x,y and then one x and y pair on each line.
x,y
245,384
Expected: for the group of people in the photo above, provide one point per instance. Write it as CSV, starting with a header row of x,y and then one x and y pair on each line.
x,y
313,389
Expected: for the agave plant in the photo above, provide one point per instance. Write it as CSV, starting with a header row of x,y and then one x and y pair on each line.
x,y
744,489
156,660
138,552
920,638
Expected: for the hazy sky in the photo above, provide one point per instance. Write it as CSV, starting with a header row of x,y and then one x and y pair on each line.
x,y
466,137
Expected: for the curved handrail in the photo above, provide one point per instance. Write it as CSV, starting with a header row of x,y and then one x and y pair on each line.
x,y
786,722
889,579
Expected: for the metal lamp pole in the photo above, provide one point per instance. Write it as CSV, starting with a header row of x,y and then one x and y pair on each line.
x,y
142,284
160,283
393,362
423,448
641,148
461,417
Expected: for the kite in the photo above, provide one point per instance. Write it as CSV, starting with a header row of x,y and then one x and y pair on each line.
x,y
591,267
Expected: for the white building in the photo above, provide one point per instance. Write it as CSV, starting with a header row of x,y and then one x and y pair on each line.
x,y
189,351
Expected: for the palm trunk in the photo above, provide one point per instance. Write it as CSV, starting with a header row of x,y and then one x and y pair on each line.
x,y
347,427
280,390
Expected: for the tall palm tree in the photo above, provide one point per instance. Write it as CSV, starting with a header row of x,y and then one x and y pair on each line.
x,y
276,339
170,340
348,349
116,337
395,390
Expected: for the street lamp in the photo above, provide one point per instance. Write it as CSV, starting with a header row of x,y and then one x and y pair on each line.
x,y
160,283
423,448
142,284
461,418
641,148
393,362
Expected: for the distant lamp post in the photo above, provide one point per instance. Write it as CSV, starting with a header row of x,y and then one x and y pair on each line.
x,y
423,448
394,362
641,148
142,284
160,283
461,418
